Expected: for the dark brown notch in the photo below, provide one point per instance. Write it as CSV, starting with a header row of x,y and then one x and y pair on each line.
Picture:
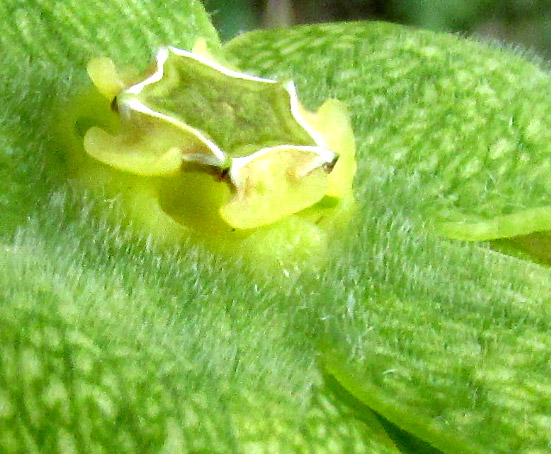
x,y
114,105
329,166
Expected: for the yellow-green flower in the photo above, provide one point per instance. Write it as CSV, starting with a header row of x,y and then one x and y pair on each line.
x,y
192,132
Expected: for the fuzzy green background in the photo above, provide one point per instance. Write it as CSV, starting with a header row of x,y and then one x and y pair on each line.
x,y
406,342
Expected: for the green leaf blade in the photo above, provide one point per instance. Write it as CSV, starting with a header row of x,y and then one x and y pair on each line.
x,y
465,124
71,32
443,133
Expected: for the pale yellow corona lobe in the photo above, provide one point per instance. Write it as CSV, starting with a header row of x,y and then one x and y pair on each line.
x,y
332,120
105,77
280,167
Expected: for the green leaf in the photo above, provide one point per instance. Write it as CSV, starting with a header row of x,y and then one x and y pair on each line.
x,y
404,441
69,33
476,153
446,340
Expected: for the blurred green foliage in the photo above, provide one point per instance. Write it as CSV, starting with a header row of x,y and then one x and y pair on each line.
x,y
232,17
519,22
